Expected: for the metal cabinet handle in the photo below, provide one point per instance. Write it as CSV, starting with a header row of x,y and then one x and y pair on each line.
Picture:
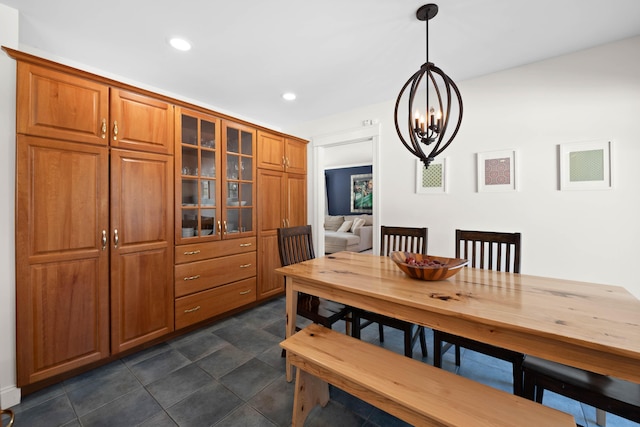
x,y
103,128
191,310
197,251
116,238
245,292
219,228
197,276
244,245
245,265
104,239
225,227
115,130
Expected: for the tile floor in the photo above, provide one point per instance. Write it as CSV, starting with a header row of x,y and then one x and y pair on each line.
x,y
231,374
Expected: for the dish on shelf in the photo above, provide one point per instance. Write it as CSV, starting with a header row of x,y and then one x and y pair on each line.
x,y
427,267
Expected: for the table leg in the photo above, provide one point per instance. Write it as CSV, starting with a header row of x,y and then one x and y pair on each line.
x,y
291,304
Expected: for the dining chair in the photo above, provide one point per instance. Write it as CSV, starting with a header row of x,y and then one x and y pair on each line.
x,y
408,239
600,391
295,245
490,251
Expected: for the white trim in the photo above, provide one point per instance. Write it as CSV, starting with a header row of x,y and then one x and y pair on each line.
x,y
9,393
319,144
9,396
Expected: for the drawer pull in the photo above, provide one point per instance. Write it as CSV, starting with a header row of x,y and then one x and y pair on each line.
x,y
197,251
244,245
197,276
245,292
191,310
245,265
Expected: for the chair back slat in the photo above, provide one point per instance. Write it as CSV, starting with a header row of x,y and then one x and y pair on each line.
x,y
408,239
489,250
295,244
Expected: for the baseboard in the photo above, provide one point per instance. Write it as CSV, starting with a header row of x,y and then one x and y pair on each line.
x,y
9,396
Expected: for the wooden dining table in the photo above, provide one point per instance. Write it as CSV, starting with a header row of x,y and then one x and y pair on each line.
x,y
586,325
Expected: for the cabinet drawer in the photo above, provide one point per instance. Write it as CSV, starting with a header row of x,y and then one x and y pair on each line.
x,y
206,304
200,251
201,275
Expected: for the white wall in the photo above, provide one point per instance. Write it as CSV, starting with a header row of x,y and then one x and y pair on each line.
x,y
582,235
9,394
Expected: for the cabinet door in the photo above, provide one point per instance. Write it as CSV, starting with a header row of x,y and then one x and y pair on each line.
x,y
60,106
238,192
271,151
62,263
272,199
296,156
198,169
141,123
296,209
141,248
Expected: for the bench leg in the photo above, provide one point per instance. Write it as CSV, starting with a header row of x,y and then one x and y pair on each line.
x,y
292,310
310,391
601,417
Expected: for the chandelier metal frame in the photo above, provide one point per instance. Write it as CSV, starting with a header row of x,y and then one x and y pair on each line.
x,y
433,128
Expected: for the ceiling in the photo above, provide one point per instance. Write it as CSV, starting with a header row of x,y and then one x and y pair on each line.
x,y
336,55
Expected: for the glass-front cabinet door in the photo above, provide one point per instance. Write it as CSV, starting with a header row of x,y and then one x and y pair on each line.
x,y
215,169
198,160
239,186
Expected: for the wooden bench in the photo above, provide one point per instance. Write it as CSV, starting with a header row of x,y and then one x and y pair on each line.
x,y
411,390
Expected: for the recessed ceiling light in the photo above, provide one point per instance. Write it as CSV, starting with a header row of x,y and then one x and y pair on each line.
x,y
289,96
180,44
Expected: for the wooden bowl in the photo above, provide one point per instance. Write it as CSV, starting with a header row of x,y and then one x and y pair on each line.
x,y
445,267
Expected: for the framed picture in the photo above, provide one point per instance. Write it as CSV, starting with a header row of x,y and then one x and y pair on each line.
x,y
586,165
497,171
362,193
431,180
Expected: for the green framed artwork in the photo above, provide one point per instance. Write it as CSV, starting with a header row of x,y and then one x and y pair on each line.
x,y
586,165
432,180
362,193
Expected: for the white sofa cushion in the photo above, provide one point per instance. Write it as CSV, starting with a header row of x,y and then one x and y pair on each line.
x,y
345,227
357,223
333,222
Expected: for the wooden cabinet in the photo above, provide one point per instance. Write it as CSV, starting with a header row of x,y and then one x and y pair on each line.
x,y
282,202
215,172
215,201
238,187
212,278
141,248
62,264
140,122
277,152
106,258
198,184
59,105
94,223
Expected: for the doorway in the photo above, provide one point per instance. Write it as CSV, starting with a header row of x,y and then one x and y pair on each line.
x,y
327,150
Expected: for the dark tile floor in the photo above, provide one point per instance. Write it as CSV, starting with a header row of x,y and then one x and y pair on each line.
x,y
231,374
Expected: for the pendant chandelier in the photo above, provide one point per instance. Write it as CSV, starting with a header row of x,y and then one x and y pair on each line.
x,y
430,89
